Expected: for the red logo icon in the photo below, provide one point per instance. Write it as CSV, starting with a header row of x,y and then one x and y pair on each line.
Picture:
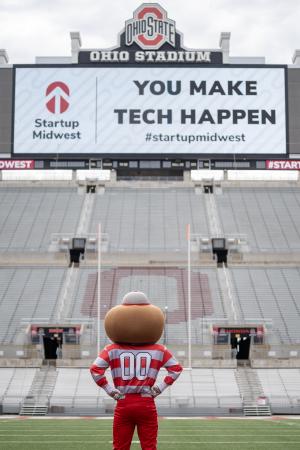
x,y
150,27
57,95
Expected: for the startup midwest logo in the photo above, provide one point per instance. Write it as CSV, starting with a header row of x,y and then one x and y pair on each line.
x,y
54,128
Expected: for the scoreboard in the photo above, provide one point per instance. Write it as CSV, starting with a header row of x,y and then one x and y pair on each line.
x,y
157,110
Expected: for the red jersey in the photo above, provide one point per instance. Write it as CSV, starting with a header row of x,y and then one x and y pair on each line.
x,y
134,369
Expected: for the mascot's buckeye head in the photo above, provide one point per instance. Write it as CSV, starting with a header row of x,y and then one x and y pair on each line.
x,y
135,321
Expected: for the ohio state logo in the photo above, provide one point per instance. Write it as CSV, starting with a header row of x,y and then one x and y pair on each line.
x,y
57,95
150,27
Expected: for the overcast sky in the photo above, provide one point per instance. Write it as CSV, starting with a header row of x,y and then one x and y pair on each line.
x,y
32,28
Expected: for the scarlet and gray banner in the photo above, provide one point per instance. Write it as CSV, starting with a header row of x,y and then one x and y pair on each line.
x,y
13,164
157,110
284,164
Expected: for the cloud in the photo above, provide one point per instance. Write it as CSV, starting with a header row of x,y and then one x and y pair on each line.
x,y
32,28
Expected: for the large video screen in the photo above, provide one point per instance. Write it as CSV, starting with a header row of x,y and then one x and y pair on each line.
x,y
152,110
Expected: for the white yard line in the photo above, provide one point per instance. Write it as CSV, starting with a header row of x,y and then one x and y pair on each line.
x,y
5,418
160,434
160,442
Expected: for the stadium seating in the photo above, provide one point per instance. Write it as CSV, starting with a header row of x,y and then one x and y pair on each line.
x,y
30,292
14,386
211,389
271,294
206,390
263,294
282,388
33,293
268,216
29,216
149,219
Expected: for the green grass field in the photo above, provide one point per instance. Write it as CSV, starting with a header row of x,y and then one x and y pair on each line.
x,y
191,434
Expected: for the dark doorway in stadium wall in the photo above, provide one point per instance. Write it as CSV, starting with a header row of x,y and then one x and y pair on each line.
x,y
91,189
52,345
77,251
220,251
54,338
208,189
221,256
240,345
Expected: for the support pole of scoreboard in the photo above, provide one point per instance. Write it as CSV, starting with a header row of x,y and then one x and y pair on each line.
x,y
188,235
99,289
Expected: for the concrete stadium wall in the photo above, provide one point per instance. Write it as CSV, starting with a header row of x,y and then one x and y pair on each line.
x,y
37,175
6,101
276,363
294,110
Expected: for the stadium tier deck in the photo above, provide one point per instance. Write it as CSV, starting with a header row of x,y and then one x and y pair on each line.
x,y
270,294
29,216
142,219
15,384
269,217
207,390
282,386
26,293
75,391
149,219
34,293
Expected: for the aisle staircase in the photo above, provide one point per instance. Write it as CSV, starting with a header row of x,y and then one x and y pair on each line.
x,y
37,401
86,214
251,390
66,296
214,222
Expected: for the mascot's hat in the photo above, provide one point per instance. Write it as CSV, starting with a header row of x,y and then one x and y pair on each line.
x,y
135,298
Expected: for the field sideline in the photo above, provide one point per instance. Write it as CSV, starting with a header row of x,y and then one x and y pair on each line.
x,y
189,434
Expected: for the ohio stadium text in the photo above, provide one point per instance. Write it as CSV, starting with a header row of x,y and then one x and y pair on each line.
x,y
150,56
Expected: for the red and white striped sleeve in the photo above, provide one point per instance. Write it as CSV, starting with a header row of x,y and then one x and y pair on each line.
x,y
98,369
173,367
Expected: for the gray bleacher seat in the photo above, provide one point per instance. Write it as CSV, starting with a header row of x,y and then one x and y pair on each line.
x,y
281,386
271,293
15,385
29,216
27,293
166,287
262,294
268,216
149,219
203,388
5,378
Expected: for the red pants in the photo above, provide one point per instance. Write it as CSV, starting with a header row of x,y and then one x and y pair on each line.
x,y
132,411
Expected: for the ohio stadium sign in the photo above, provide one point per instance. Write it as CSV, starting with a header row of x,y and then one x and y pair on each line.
x,y
150,37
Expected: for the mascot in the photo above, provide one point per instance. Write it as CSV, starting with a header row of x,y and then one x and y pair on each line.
x,y
135,360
